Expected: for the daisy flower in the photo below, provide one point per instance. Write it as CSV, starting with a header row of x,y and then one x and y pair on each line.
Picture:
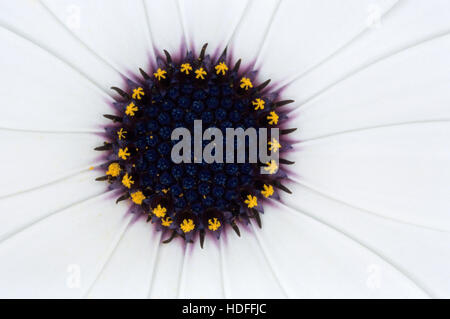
x,y
360,206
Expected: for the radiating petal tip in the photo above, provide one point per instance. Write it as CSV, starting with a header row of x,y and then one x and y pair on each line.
x,y
114,118
288,131
286,162
235,228
168,57
144,74
201,57
202,237
105,147
282,103
263,85
277,184
172,236
123,197
121,92
237,66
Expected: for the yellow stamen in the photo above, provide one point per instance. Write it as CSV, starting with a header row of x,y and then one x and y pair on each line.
x,y
187,225
221,67
137,197
185,68
213,224
268,191
246,83
138,93
159,74
113,170
121,133
91,168
259,104
159,211
274,145
273,117
200,74
127,181
123,153
251,201
131,108
165,191
272,167
166,221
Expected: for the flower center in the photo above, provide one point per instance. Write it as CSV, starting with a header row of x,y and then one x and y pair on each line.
x,y
197,195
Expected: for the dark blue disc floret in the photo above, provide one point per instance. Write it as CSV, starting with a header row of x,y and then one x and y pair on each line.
x,y
193,198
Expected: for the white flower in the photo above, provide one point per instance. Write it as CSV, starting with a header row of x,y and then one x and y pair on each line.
x,y
369,215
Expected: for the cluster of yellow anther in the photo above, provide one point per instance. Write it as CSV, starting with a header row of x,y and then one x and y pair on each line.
x,y
246,83
187,225
274,145
138,93
127,180
166,221
121,133
251,201
221,67
259,104
213,224
123,153
160,74
185,68
271,167
137,197
267,191
131,109
200,73
159,211
273,118
113,170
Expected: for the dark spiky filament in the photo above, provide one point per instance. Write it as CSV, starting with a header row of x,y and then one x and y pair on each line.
x,y
189,198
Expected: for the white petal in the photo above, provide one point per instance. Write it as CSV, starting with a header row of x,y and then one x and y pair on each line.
x,y
406,25
248,272
313,260
411,86
23,16
305,33
399,172
34,159
421,254
202,271
116,30
211,22
252,30
21,210
168,270
61,256
166,27
40,92
128,272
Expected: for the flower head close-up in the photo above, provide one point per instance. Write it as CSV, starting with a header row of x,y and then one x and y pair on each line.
x,y
225,149
218,178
